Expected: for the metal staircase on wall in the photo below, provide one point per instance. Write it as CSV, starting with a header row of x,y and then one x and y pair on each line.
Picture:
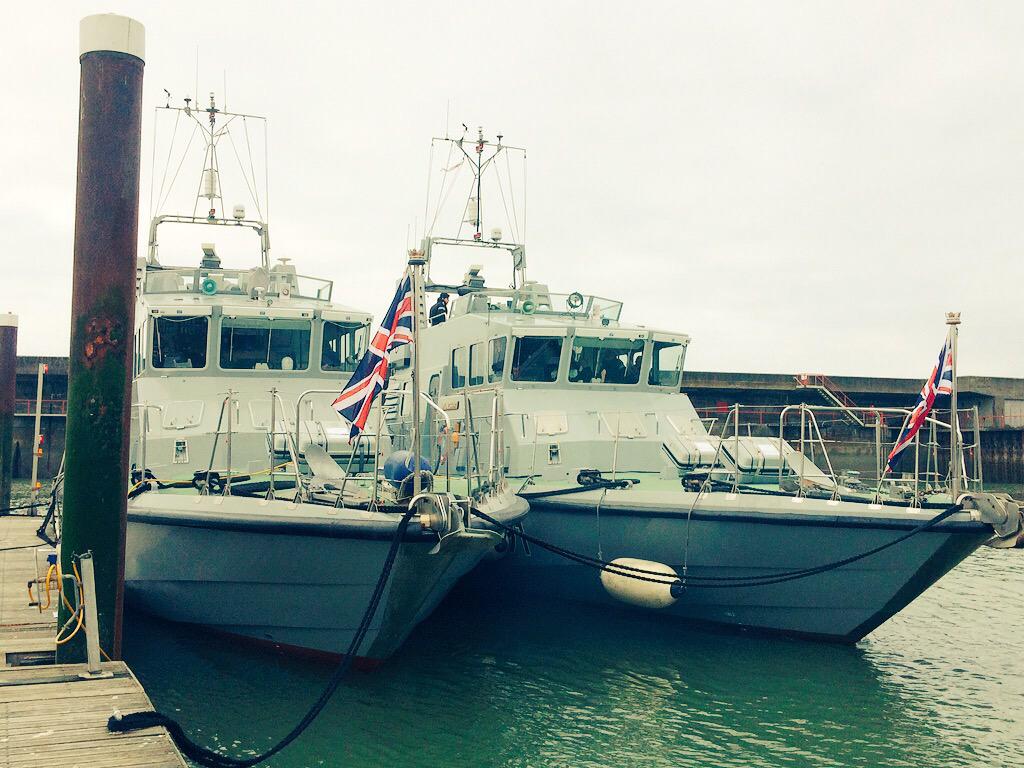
x,y
831,392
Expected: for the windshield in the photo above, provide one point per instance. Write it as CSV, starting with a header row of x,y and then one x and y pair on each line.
x,y
180,342
536,358
259,343
605,361
343,345
666,363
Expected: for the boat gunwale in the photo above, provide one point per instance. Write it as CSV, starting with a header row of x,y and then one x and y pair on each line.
x,y
616,507
328,527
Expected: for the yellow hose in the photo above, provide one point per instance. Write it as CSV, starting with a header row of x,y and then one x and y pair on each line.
x,y
49,576
80,611
81,620
60,588
31,596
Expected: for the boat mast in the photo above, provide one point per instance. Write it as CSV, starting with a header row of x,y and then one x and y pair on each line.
x,y
472,212
479,173
953,321
209,186
416,262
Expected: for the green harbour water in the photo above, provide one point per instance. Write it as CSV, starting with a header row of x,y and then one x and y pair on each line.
x,y
488,683
485,684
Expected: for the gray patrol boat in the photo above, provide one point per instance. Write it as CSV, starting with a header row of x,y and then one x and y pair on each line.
x,y
251,514
737,523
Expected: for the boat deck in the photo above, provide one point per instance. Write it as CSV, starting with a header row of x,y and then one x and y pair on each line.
x,y
49,713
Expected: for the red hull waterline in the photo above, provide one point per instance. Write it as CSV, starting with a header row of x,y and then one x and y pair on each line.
x,y
361,663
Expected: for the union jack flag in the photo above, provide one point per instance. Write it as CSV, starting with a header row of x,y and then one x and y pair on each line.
x,y
939,383
371,375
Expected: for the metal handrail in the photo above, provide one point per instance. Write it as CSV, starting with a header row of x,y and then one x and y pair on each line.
x,y
225,405
290,446
812,439
400,394
348,468
447,438
144,430
496,469
26,407
804,414
298,409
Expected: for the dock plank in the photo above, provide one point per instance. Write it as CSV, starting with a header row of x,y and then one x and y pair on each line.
x,y
24,629
50,714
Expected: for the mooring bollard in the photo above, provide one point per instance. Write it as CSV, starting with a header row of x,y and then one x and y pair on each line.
x,y
102,312
8,374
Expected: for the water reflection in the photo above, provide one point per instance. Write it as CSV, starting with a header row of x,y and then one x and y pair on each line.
x,y
483,683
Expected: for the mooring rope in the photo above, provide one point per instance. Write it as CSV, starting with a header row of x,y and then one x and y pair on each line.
x,y
712,582
206,757
32,505
595,485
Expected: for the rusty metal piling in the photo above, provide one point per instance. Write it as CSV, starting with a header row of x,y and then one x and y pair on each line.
x,y
8,374
102,314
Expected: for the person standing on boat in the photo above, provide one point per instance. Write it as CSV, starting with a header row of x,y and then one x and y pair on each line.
x,y
439,312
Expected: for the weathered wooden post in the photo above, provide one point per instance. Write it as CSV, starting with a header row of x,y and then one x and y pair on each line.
x,y
8,374
102,315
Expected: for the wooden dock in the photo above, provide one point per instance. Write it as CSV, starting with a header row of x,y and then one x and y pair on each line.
x,y
26,633
50,715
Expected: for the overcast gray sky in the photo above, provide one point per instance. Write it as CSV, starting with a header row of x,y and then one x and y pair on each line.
x,y
801,186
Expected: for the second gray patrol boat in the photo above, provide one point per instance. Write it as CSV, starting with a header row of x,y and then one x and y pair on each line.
x,y
739,528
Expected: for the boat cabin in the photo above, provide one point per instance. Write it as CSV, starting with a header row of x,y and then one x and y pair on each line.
x,y
231,321
532,338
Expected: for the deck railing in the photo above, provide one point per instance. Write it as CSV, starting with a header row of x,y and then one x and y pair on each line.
x,y
27,407
802,424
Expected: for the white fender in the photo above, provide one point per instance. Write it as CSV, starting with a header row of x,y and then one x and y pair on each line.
x,y
645,594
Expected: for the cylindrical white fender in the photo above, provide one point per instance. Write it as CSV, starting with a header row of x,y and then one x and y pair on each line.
x,y
645,594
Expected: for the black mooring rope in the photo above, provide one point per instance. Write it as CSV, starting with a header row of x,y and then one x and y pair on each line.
x,y
49,517
596,485
712,582
7,510
212,759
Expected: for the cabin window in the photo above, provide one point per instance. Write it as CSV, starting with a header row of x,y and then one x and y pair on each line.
x,y
458,368
497,369
477,364
143,345
343,345
666,363
261,343
180,342
605,361
536,358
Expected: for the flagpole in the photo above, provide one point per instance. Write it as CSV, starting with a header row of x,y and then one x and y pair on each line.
x,y
416,262
953,321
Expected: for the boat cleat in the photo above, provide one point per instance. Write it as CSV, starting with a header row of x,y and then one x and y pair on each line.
x,y
437,512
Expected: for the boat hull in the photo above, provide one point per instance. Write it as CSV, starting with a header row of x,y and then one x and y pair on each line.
x,y
732,537
287,576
